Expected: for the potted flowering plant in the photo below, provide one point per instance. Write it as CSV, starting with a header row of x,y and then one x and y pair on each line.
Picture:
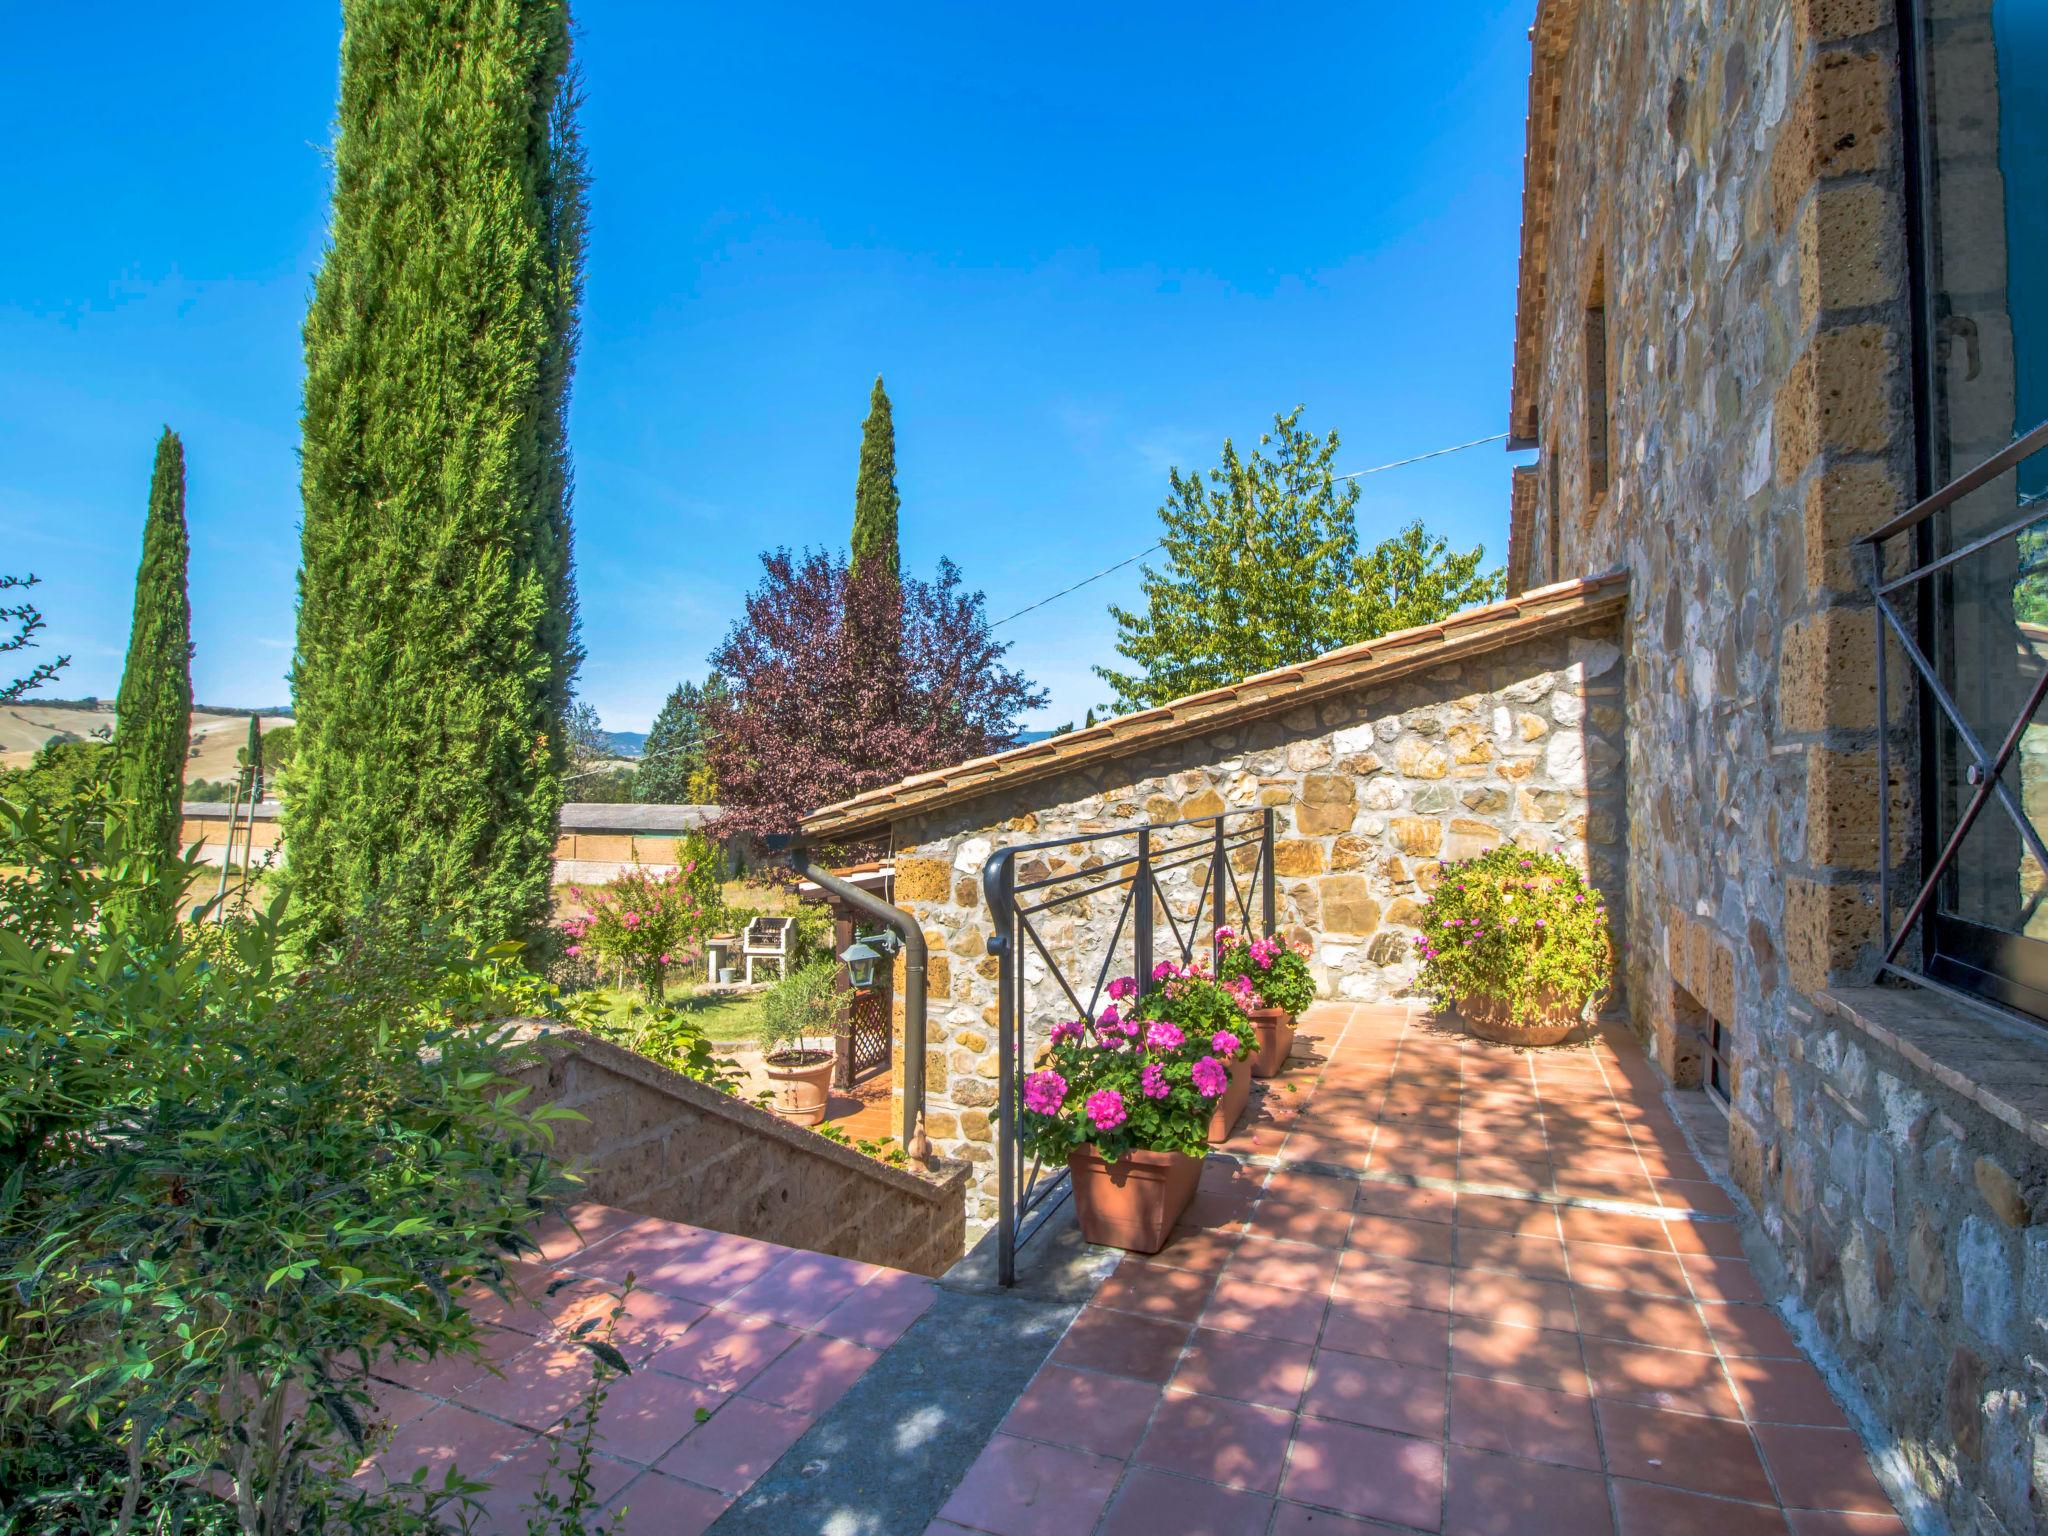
x,y
1518,944
1186,996
803,1006
1275,978
1128,1104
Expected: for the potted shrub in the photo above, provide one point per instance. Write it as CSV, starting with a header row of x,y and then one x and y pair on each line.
x,y
1127,1103
1518,943
1204,1011
799,1026
1273,978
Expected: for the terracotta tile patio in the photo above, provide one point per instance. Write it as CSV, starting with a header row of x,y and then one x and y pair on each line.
x,y
1464,1290
737,1347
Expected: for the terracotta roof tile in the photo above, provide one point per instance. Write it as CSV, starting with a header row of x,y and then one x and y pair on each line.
x,y
1563,605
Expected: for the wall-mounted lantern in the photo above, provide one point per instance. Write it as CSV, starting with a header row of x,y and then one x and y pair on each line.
x,y
861,959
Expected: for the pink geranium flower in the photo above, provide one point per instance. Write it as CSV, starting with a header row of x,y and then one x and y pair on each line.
x,y
1123,987
1044,1092
1155,1082
1162,1036
1224,1043
1211,1077
1106,1109
1070,1029
1164,969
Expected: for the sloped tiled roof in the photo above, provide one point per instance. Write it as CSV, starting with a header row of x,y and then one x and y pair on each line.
x,y
1475,631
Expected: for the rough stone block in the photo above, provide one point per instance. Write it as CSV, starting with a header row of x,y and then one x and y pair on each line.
x,y
2001,1191
1416,835
1846,502
1840,124
1833,21
1348,906
1421,760
1842,807
1329,803
923,880
1849,249
1827,926
1468,839
1204,802
1827,673
1294,856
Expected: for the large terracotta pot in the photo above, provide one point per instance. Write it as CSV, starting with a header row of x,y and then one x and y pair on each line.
x,y
1223,1118
802,1084
1275,1028
1135,1202
1556,1020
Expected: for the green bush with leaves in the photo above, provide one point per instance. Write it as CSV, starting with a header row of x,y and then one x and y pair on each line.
x,y
800,1014
1518,926
660,1032
236,1178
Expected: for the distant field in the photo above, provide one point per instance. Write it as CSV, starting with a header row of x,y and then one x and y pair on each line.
x,y
25,726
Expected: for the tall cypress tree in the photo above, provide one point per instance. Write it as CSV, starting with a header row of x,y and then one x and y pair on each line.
x,y
153,713
437,626
252,758
875,501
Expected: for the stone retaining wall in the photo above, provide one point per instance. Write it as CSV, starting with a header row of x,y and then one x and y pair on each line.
x,y
1374,790
659,1144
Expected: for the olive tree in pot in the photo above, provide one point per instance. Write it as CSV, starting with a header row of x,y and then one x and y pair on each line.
x,y
1272,979
1128,1104
1518,943
799,1028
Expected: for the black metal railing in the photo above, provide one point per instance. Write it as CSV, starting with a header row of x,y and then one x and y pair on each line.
x,y
1046,902
1917,603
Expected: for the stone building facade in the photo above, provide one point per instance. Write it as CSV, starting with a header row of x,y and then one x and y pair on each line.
x,y
1719,361
1778,284
1380,764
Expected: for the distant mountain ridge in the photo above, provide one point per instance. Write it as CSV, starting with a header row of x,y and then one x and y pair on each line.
x,y
627,743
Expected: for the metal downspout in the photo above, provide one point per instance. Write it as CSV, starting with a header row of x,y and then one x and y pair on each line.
x,y
905,927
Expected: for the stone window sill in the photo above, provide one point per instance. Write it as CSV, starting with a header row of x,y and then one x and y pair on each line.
x,y
2002,1067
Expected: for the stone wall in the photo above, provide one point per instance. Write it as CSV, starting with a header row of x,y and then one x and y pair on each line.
x,y
659,1144
1373,790
1728,181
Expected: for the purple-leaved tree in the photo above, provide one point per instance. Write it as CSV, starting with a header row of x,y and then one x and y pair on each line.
x,y
839,682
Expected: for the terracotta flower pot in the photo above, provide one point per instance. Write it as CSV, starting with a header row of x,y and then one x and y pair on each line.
x,y
1557,1019
803,1082
1276,1038
1134,1202
1223,1118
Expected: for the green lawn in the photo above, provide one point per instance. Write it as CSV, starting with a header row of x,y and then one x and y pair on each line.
x,y
725,1019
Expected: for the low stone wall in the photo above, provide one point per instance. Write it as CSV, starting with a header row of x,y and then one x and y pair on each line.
x,y
660,1144
1375,790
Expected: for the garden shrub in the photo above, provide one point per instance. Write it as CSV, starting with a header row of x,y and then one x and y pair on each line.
x,y
647,923
235,1179
1523,927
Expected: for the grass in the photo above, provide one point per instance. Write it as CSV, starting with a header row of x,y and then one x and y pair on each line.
x,y
726,1019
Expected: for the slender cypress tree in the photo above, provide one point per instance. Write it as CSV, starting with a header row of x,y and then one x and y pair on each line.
x,y
153,713
875,501
437,626
252,758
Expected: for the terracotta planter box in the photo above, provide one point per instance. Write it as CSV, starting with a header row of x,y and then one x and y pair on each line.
x,y
1133,1203
801,1088
1492,1018
1276,1038
1223,1119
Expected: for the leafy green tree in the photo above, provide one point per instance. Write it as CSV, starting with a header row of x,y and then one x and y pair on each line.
x,y
1263,571
65,773
19,625
1416,578
153,715
437,624
1259,564
875,501
678,744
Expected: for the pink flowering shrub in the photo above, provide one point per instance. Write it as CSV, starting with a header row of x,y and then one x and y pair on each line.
x,y
1266,973
1523,927
646,924
1144,1074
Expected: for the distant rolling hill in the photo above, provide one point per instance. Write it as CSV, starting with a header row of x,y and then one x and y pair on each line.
x,y
628,743
27,724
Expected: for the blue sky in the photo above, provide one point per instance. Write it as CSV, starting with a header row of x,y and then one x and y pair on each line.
x,y
1081,243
